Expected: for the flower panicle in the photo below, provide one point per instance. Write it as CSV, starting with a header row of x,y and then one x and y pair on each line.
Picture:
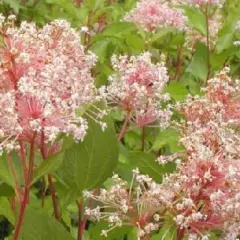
x,y
137,89
154,14
139,204
45,83
207,179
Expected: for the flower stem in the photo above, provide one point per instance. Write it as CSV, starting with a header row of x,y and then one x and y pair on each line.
x,y
54,198
21,214
180,234
25,200
50,180
81,222
178,64
23,160
124,127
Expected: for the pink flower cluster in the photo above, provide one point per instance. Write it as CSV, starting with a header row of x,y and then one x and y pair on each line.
x,y
154,14
208,180
203,195
137,88
45,79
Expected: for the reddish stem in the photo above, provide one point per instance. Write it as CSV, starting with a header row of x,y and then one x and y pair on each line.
x,y
50,180
13,206
24,161
82,222
180,234
178,64
21,214
26,192
123,129
43,146
81,227
54,197
80,206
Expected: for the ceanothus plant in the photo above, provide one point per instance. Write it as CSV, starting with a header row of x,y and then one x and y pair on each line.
x,y
120,119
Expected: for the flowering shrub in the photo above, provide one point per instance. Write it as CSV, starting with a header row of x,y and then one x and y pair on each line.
x,y
120,119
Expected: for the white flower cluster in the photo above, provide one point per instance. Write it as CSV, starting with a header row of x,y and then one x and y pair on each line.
x,y
137,204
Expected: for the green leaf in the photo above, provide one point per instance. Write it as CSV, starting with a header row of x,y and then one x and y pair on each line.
x,y
117,114
218,60
14,4
66,7
47,166
115,234
147,164
226,34
39,226
198,65
6,190
167,232
100,48
178,91
124,168
6,210
89,163
94,5
168,137
132,140
118,28
6,173
128,4
161,34
196,19
213,236
135,42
